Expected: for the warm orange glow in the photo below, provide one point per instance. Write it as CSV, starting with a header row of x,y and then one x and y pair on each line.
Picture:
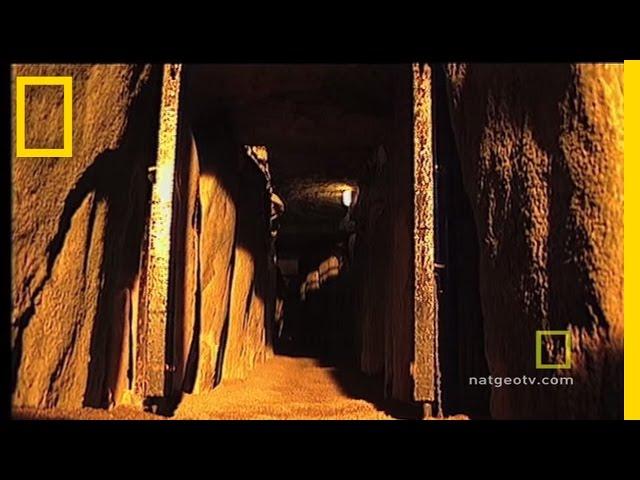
x,y
151,334
425,353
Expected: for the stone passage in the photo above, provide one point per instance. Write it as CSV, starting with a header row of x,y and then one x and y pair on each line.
x,y
319,241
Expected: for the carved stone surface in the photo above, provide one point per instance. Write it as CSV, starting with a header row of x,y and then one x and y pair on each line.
x,y
152,328
424,367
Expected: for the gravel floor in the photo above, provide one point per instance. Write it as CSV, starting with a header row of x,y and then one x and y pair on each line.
x,y
281,388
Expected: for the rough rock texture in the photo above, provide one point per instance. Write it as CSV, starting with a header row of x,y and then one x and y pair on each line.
x,y
541,148
217,237
152,326
221,239
247,333
222,292
424,281
73,280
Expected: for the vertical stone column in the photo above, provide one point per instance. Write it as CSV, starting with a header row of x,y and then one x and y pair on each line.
x,y
424,368
151,331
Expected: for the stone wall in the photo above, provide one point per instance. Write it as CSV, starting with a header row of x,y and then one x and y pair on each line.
x,y
247,325
541,148
218,217
78,237
77,229
222,330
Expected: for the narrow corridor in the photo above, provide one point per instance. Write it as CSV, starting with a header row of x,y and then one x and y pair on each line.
x,y
319,241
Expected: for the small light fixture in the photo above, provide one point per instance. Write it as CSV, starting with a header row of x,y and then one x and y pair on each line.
x,y
347,197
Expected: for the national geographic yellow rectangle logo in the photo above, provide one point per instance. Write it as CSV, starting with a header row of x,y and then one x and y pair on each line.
x,y
21,150
566,363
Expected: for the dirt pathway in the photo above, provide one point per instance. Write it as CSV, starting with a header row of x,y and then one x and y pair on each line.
x,y
281,388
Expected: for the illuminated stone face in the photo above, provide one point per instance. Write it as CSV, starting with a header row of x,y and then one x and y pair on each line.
x,y
151,332
424,296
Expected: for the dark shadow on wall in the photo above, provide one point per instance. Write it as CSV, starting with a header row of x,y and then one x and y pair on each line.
x,y
221,158
191,367
224,332
128,211
573,300
460,333
185,174
541,103
123,236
